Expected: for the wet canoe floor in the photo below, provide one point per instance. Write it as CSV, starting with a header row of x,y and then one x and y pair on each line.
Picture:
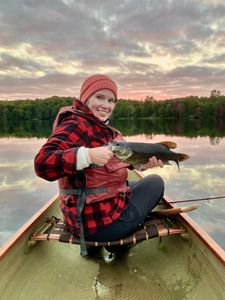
x,y
174,269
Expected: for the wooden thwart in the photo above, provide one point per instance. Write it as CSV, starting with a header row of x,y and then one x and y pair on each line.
x,y
152,228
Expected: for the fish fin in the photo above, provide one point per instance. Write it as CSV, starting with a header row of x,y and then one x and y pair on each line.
x,y
168,144
139,167
166,162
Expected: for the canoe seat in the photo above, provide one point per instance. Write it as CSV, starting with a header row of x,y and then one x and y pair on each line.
x,y
54,229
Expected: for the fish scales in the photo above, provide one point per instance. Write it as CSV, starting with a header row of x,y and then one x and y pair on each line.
x,y
141,152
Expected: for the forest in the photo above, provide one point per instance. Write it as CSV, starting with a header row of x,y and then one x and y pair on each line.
x,y
192,107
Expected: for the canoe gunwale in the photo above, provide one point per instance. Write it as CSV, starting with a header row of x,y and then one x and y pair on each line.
x,y
217,251
26,227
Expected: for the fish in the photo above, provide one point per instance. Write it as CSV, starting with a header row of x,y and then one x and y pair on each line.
x,y
138,154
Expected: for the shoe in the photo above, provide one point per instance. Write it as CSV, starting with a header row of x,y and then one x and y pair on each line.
x,y
93,250
118,249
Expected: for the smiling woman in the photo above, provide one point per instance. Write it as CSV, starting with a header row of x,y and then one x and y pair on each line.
x,y
102,104
97,201
99,93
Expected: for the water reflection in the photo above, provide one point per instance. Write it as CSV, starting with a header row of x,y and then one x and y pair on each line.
x,y
22,193
193,128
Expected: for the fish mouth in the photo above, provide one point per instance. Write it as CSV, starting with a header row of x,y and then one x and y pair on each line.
x,y
112,146
119,150
116,147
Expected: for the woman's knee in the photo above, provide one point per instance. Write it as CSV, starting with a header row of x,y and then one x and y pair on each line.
x,y
155,180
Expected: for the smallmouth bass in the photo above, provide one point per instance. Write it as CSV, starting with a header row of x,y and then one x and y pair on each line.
x,y
138,154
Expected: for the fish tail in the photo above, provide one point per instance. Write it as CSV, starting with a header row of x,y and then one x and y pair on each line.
x,y
183,157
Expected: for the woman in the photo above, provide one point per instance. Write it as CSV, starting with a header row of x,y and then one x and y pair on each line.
x,y
96,200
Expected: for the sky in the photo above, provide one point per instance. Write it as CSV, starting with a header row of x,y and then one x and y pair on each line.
x,y
162,49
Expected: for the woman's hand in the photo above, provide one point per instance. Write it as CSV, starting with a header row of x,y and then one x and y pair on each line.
x,y
154,163
100,155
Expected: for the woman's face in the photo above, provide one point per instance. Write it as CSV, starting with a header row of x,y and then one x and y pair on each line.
x,y
102,104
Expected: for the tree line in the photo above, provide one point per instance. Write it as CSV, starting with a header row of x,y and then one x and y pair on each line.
x,y
39,109
192,107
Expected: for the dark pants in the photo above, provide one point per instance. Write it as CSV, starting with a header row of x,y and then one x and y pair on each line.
x,y
145,194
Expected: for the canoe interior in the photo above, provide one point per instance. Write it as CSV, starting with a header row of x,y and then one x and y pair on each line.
x,y
175,268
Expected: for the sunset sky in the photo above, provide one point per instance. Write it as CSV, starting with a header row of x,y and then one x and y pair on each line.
x,y
164,49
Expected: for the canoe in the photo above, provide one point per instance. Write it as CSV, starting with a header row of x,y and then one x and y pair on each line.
x,y
189,265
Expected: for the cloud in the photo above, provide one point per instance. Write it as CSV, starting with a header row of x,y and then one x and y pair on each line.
x,y
164,49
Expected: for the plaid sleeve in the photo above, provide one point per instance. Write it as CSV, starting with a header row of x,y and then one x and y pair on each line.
x,y
58,156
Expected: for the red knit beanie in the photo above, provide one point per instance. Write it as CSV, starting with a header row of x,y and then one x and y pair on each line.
x,y
95,83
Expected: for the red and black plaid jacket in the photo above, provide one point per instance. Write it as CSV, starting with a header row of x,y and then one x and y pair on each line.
x,y
57,158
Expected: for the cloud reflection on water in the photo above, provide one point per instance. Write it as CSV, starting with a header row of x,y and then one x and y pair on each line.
x,y
22,192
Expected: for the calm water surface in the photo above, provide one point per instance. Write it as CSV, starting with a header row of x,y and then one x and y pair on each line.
x,y
22,193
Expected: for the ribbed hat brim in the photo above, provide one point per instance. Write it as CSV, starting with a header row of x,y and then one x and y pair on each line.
x,y
96,83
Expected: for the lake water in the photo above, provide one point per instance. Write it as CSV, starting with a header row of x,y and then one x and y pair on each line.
x,y
22,193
